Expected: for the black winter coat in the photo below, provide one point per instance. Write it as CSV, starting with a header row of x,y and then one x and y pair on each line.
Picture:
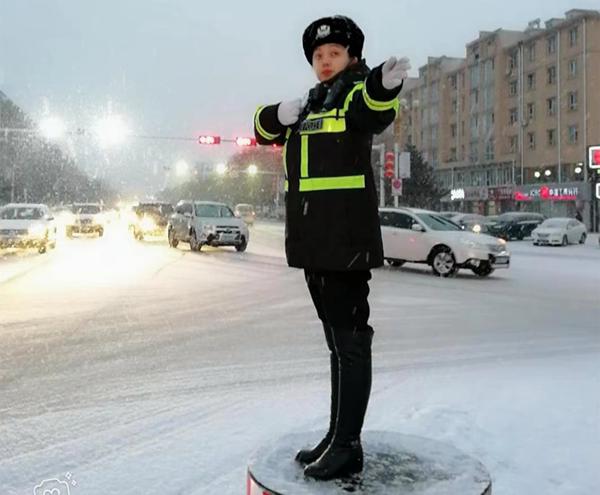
x,y
332,221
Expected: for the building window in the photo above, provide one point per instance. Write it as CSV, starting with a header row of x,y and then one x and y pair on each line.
x,y
489,150
452,157
512,60
573,134
474,98
573,100
513,116
531,111
551,106
512,88
453,81
573,35
531,81
551,45
453,130
531,140
573,68
531,52
551,74
551,137
514,143
454,105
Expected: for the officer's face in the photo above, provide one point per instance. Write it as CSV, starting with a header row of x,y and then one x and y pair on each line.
x,y
329,60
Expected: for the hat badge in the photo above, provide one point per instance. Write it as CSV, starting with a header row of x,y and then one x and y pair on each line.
x,y
323,31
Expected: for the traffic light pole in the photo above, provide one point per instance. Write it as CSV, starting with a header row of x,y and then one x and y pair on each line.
x,y
381,149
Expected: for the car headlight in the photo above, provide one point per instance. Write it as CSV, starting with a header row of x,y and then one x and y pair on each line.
x,y
37,230
477,228
208,228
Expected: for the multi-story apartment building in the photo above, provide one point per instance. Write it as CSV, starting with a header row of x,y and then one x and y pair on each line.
x,y
508,126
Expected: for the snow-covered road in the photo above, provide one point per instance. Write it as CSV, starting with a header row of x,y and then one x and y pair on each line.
x,y
137,368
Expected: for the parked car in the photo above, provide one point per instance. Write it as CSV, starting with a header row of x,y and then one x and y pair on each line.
x,y
150,219
204,223
470,221
27,225
421,236
86,218
245,212
560,232
515,225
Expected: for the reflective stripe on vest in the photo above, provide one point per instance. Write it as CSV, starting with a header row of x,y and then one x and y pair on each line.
x,y
326,122
267,135
330,183
379,106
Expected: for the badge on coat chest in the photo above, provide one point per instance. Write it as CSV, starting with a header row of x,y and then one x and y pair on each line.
x,y
312,125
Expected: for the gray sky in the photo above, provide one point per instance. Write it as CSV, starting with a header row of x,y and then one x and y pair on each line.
x,y
185,67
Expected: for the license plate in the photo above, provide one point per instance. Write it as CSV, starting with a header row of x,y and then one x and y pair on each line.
x,y
226,237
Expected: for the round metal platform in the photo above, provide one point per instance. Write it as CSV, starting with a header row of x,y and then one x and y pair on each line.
x,y
394,464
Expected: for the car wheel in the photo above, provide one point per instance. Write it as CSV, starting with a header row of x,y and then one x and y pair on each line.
x,y
42,248
241,247
100,232
483,270
443,262
173,242
565,241
194,244
583,238
535,244
396,263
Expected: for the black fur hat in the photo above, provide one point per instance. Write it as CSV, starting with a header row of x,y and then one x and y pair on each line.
x,y
335,29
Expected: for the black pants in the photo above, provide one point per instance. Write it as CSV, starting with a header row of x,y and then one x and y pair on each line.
x,y
340,299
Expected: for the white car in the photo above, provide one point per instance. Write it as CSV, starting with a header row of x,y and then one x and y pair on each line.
x,y
559,232
86,218
421,236
27,225
204,223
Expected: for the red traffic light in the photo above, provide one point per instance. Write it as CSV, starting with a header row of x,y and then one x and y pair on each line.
x,y
388,174
595,157
209,139
245,141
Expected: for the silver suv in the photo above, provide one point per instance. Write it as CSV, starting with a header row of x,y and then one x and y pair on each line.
x,y
204,223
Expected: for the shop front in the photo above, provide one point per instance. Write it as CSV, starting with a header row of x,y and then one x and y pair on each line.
x,y
554,200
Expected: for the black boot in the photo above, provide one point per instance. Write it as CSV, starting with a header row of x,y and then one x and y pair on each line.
x,y
307,456
338,461
344,456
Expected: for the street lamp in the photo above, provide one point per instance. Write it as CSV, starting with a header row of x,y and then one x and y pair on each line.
x,y
537,174
548,173
221,168
51,128
111,130
252,169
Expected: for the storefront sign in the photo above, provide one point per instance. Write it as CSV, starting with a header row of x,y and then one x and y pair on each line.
x,y
548,193
500,193
457,194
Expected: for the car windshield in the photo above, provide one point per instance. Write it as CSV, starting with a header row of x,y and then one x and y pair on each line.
x,y
213,211
437,222
21,214
554,223
86,209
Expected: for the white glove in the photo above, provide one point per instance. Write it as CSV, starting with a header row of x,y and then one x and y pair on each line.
x,y
289,111
394,71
